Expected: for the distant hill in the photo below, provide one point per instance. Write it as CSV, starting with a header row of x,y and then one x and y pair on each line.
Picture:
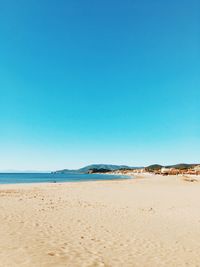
x,y
104,166
154,167
96,167
109,167
182,166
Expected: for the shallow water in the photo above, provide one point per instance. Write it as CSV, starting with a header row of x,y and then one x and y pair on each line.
x,y
15,178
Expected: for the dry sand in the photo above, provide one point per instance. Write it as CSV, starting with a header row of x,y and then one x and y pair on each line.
x,y
148,222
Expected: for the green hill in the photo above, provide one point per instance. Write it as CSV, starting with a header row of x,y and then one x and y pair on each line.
x,y
182,166
153,167
96,167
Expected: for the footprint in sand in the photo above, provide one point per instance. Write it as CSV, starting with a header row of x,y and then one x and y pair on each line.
x,y
51,254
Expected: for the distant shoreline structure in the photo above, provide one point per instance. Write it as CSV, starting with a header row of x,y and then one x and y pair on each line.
x,y
182,168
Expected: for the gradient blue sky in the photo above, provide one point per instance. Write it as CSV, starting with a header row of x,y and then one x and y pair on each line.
x,y
99,82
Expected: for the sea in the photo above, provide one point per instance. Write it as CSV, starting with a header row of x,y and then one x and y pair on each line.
x,y
17,178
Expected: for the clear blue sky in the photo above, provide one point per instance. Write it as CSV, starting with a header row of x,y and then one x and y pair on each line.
x,y
99,82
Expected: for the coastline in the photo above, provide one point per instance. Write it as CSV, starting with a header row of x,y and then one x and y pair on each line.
x,y
46,178
150,220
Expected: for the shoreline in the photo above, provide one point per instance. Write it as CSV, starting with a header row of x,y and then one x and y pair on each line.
x,y
120,177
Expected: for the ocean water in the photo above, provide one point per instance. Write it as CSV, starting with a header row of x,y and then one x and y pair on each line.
x,y
16,178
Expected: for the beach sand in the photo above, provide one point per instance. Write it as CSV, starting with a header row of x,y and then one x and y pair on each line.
x,y
145,222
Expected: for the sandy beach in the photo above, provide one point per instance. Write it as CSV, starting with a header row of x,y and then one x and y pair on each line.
x,y
149,221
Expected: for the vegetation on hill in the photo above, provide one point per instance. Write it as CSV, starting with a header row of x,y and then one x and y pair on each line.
x,y
182,166
103,168
94,170
153,167
97,168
